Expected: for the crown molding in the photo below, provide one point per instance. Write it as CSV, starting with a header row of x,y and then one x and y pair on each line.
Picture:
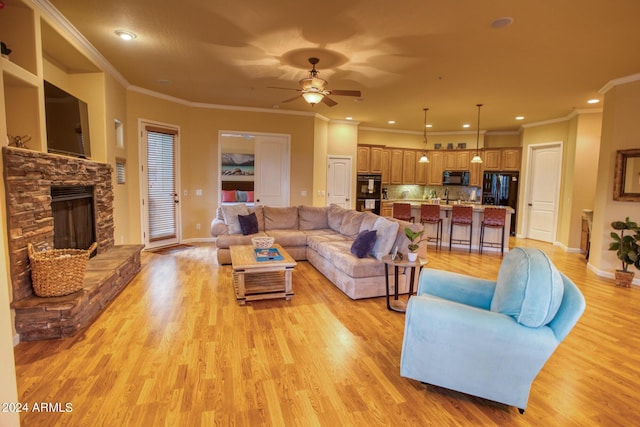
x,y
620,81
566,118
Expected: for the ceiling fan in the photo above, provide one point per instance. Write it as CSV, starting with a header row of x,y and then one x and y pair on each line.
x,y
313,88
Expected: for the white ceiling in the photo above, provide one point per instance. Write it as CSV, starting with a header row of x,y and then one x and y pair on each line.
x,y
402,55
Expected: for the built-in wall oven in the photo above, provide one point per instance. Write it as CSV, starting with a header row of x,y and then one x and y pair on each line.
x,y
369,193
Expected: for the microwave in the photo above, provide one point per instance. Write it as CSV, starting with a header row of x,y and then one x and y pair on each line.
x,y
455,178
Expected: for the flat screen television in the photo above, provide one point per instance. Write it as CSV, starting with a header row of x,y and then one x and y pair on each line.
x,y
67,123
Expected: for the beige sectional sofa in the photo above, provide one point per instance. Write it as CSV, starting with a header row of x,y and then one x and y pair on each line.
x,y
323,236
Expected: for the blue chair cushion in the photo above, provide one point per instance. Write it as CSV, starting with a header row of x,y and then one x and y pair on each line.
x,y
529,287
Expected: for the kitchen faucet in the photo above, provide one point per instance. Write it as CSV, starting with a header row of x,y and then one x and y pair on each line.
x,y
446,195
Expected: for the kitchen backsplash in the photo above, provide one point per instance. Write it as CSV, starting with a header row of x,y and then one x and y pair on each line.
x,y
423,192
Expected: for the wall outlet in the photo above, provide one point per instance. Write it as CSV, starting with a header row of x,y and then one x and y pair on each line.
x,y
198,226
185,193
199,192
303,193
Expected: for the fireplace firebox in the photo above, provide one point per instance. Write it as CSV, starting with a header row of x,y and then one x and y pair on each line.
x,y
73,217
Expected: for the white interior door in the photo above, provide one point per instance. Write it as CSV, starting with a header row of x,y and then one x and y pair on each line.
x,y
272,170
545,165
159,181
339,181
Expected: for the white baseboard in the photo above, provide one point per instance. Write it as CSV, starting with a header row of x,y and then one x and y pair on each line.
x,y
609,275
199,240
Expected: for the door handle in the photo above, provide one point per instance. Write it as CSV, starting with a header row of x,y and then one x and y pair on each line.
x,y
529,204
175,198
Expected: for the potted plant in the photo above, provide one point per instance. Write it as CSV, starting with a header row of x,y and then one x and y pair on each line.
x,y
414,245
627,249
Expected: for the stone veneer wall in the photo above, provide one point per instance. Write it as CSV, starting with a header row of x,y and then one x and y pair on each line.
x,y
29,176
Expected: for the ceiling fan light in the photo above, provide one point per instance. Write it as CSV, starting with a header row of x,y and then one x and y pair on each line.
x,y
312,97
476,159
423,159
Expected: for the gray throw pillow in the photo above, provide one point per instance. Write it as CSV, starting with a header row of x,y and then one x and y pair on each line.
x,y
363,244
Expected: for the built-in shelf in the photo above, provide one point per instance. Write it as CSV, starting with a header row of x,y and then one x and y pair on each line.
x,y
14,75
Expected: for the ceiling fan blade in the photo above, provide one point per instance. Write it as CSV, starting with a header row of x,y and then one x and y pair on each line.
x,y
284,88
290,99
345,92
330,102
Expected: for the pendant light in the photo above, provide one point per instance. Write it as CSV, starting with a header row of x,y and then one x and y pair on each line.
x,y
424,158
476,158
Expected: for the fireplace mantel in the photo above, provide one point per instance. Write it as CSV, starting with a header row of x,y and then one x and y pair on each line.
x,y
29,176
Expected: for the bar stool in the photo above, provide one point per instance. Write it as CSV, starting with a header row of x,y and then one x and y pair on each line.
x,y
461,216
430,214
493,218
402,211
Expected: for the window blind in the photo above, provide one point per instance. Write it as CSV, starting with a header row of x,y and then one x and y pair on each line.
x,y
161,182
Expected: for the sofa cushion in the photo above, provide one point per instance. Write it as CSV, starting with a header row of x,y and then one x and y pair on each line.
x,y
280,218
313,218
339,252
226,240
248,223
363,244
529,287
368,219
334,217
230,214
350,225
315,240
288,237
386,236
259,211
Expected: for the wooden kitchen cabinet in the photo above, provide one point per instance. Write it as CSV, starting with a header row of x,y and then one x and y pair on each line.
x,y
375,159
436,159
491,160
397,157
422,170
386,166
510,159
408,167
456,160
501,159
386,209
362,163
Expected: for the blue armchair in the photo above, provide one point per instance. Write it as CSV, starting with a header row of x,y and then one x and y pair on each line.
x,y
489,338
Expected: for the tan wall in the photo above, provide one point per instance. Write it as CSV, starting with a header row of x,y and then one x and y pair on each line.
x,y
555,132
343,141
320,153
619,132
199,131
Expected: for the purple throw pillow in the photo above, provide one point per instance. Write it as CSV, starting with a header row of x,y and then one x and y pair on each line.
x,y
248,223
363,244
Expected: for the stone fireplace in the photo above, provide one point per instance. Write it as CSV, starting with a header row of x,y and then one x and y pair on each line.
x,y
29,178
73,217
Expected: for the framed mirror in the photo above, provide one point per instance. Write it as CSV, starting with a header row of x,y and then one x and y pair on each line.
x,y
626,186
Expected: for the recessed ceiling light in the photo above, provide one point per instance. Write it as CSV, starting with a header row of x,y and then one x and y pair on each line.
x,y
502,22
519,117
466,125
392,122
593,101
126,35
428,125
349,118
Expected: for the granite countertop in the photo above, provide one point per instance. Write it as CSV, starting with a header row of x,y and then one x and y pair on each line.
x,y
477,207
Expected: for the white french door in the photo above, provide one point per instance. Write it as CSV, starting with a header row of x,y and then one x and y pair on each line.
x,y
159,181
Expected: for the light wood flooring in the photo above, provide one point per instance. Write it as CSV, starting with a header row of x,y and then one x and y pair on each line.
x,y
176,349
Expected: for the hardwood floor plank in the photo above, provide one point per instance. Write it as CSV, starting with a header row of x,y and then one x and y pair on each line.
x,y
175,348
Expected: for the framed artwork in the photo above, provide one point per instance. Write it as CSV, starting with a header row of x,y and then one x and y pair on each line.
x,y
237,164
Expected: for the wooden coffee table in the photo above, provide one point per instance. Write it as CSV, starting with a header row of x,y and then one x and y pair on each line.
x,y
257,280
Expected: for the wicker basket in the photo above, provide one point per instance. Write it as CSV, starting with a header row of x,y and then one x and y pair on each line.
x,y
262,242
59,271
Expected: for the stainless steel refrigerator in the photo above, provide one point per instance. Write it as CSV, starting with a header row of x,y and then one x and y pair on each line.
x,y
501,189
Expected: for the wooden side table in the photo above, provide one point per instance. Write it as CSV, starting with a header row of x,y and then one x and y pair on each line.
x,y
399,305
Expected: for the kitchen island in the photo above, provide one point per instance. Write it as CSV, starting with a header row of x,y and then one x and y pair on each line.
x,y
491,234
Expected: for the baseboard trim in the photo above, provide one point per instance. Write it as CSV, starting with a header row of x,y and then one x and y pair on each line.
x,y
608,274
